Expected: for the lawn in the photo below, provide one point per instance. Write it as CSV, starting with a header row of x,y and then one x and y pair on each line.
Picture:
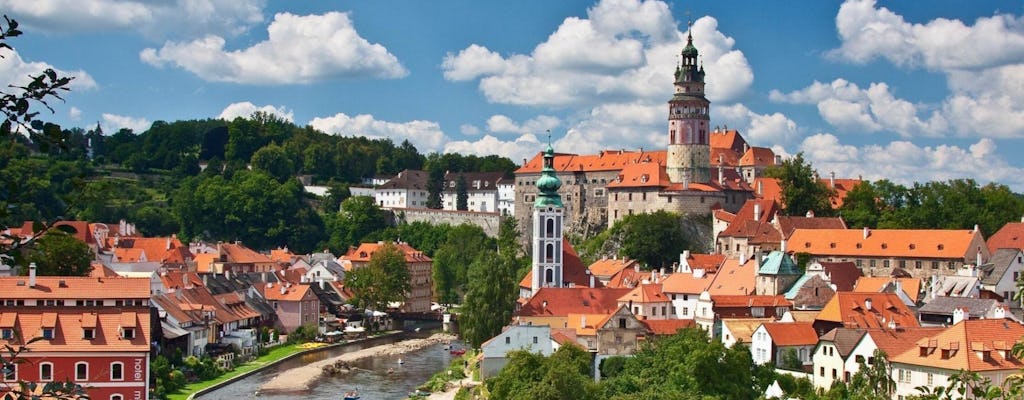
x,y
274,354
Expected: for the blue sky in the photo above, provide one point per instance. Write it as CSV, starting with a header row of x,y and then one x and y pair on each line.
x,y
910,91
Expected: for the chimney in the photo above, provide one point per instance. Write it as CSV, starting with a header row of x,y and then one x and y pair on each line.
x,y
832,179
782,246
283,289
591,279
899,286
959,314
721,174
977,258
32,275
760,191
867,304
975,227
583,321
867,232
810,214
999,312
757,211
743,257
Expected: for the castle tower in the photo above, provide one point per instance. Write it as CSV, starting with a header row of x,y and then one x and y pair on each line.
x,y
548,216
689,149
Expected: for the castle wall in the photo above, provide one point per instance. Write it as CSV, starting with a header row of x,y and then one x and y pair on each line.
x,y
489,222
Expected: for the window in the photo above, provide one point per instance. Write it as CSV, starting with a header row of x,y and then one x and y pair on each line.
x,y
534,340
116,397
47,333
508,340
7,334
872,263
10,372
116,371
622,323
917,264
686,311
46,372
821,371
903,263
929,379
88,333
935,265
81,371
757,312
885,263
859,358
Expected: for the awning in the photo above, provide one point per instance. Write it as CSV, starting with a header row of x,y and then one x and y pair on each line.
x,y
172,331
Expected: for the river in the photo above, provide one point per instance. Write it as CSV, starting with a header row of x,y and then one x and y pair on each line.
x,y
371,379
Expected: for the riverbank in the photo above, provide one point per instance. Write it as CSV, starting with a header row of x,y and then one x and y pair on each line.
x,y
303,378
273,356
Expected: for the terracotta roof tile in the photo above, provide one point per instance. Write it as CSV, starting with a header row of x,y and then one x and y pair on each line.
x,y
70,323
643,174
727,139
767,189
237,253
51,287
578,300
364,252
875,284
272,291
852,310
791,333
645,293
758,156
573,270
974,345
789,224
734,278
610,266
1010,236
742,329
604,161
667,326
750,301
917,243
687,283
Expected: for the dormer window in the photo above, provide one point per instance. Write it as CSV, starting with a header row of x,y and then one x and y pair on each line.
x,y
7,334
128,333
48,333
88,333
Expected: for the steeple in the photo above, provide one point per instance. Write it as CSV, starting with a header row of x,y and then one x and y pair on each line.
x,y
548,226
548,184
689,150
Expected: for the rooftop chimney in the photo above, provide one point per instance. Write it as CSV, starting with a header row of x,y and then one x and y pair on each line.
x,y
959,314
867,304
760,191
757,211
867,232
782,246
810,214
32,275
832,179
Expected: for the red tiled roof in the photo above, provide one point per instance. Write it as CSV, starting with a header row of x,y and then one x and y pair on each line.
x,y
627,278
573,270
73,287
237,253
610,266
789,224
723,215
578,300
896,341
841,187
727,139
750,301
767,188
917,243
643,174
734,278
272,291
974,345
667,326
687,283
101,271
842,274
708,262
364,252
758,156
604,161
851,310
69,324
128,255
646,293
792,333
874,284
1010,236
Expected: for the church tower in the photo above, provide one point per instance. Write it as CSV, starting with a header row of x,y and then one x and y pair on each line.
x,y
548,215
689,149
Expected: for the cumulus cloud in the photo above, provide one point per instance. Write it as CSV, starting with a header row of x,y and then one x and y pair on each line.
x,y
523,147
758,129
153,19
623,50
74,113
427,136
537,125
469,129
298,50
245,109
906,162
17,71
113,123
868,33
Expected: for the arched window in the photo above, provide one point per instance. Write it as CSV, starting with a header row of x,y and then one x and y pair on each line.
x,y
81,371
549,276
549,230
549,253
10,372
116,397
46,372
117,371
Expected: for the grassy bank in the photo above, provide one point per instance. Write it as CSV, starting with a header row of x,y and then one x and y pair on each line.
x,y
274,354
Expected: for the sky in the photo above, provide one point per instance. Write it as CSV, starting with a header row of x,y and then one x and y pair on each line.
x,y
908,91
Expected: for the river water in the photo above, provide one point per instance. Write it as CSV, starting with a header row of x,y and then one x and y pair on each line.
x,y
371,377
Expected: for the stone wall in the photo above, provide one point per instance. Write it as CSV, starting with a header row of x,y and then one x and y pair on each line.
x,y
488,221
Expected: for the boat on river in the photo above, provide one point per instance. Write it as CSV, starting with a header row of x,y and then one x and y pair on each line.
x,y
351,395
457,352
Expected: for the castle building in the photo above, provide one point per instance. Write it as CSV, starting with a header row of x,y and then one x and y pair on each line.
x,y
702,169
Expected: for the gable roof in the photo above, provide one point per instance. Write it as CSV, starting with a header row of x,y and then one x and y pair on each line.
x,y
106,323
578,300
74,288
237,253
708,262
573,270
917,243
745,301
844,339
610,266
877,284
274,292
1010,236
667,326
734,278
645,293
974,345
791,333
742,329
843,274
607,160
687,283
644,174
789,224
727,139
767,188
757,156
407,179
365,251
944,305
778,263
851,309
998,264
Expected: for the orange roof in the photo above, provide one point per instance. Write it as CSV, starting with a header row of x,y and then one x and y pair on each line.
x,y
974,345
604,161
364,252
723,215
708,262
155,249
610,266
237,253
896,341
645,293
578,300
758,156
101,271
687,283
841,187
128,255
745,225
204,261
875,284
1010,236
585,324
69,324
767,188
742,329
916,243
281,255
272,291
74,287
851,310
727,139
627,278
734,278
750,301
792,333
644,174
725,157
177,279
667,326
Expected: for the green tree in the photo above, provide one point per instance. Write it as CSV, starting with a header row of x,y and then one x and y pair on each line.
x,y
655,239
358,218
384,279
452,260
435,185
461,194
801,190
273,160
491,293
527,376
873,382
59,254
862,206
791,361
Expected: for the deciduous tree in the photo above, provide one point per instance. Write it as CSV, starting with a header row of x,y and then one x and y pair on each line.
x,y
384,279
801,190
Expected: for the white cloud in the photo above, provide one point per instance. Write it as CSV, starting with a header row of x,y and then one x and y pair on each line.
x,y
868,33
427,136
153,19
905,162
522,147
623,50
537,125
245,110
299,50
113,123
14,70
758,129
74,113
469,129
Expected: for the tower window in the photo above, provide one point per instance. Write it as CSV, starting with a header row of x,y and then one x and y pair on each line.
x,y
549,253
549,276
549,231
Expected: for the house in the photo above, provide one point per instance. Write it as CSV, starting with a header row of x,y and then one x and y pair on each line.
x,y
421,284
1002,274
481,191
965,283
683,288
605,268
878,252
618,333
573,272
740,330
776,273
234,258
908,289
324,270
712,309
735,276
532,338
773,340
1010,236
945,311
185,327
982,346
507,197
295,305
864,310
750,229
820,282
841,352
94,332
140,254
830,356
647,301
552,306
408,189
